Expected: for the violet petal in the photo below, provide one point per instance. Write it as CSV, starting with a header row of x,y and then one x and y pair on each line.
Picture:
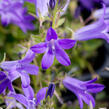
x,y
51,34
39,48
61,55
47,59
66,43
40,95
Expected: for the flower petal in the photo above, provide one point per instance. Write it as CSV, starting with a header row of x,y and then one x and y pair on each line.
x,y
66,43
41,7
40,95
7,65
80,101
10,87
29,68
13,75
39,48
94,88
51,34
96,27
69,80
47,59
25,80
29,93
61,56
2,75
88,98
65,7
30,55
21,98
91,81
4,85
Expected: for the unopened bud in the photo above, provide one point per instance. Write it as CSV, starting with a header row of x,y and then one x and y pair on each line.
x,y
52,4
50,91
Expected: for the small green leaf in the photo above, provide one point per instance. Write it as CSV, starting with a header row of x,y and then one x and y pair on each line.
x,y
60,22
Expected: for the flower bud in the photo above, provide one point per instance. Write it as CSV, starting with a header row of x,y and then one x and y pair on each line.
x,y
52,4
50,91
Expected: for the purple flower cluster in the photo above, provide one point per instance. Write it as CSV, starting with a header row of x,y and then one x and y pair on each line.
x,y
12,11
21,68
28,99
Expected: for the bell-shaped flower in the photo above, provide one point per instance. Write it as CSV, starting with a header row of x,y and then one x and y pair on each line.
x,y
53,47
28,99
5,82
98,29
82,89
21,68
12,12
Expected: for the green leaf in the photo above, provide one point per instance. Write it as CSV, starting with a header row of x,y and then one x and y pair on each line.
x,y
60,22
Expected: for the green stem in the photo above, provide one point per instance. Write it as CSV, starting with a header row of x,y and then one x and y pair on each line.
x,y
55,15
17,88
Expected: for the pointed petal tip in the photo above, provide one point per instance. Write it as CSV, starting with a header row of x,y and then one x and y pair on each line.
x,y
102,87
51,34
69,63
32,48
39,48
66,43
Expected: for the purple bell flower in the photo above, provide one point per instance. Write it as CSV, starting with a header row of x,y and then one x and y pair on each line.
x,y
21,68
98,29
83,89
12,12
53,47
5,82
28,99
